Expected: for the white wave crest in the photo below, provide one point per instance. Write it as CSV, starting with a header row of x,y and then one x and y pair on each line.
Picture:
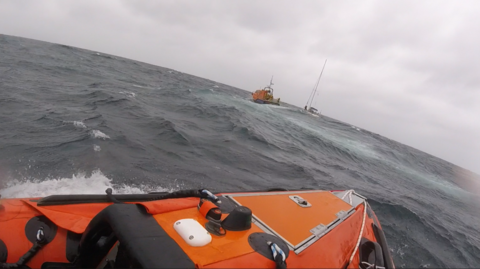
x,y
97,183
96,148
130,94
98,134
79,124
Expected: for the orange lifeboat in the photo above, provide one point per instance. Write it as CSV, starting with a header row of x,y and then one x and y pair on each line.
x,y
193,229
265,95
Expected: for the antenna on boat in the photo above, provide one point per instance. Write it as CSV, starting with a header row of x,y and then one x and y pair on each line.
x,y
271,84
312,95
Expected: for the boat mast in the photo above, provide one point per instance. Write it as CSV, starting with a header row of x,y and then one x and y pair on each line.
x,y
271,84
312,95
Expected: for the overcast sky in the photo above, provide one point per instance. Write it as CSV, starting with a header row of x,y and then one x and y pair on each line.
x,y
407,70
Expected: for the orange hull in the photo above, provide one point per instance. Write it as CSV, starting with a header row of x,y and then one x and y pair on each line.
x,y
264,97
314,229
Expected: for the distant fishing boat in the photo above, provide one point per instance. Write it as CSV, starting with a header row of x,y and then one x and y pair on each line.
x,y
265,95
308,107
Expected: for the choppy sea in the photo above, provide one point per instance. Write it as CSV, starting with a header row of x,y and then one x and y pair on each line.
x,y
79,121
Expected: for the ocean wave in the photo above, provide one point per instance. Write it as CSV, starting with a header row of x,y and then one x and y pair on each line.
x,y
66,47
167,131
423,236
95,85
250,134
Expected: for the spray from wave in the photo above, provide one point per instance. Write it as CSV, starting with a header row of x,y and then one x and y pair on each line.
x,y
97,183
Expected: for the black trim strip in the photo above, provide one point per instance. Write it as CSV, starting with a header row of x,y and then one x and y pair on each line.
x,y
382,240
102,198
92,198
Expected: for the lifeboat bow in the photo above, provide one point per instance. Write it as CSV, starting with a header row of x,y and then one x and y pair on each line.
x,y
193,229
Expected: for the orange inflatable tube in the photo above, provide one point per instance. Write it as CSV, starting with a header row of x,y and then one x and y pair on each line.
x,y
284,229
